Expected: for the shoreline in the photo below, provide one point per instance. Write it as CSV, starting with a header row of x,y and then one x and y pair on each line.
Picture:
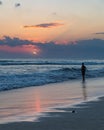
x,y
87,116
88,101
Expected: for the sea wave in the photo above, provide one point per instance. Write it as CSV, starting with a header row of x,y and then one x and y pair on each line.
x,y
13,76
12,81
49,62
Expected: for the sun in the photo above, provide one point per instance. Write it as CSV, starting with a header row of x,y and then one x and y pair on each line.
x,y
34,52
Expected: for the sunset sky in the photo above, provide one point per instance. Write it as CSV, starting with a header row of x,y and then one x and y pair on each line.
x,y
48,21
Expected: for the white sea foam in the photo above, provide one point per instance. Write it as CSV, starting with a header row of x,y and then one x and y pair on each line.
x,y
19,73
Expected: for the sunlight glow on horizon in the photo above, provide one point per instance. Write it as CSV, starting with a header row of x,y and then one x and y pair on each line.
x,y
29,49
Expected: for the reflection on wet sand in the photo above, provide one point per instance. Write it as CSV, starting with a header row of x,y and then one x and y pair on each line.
x,y
84,90
37,102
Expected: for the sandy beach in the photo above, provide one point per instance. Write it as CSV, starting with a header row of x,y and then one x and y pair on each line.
x,y
87,115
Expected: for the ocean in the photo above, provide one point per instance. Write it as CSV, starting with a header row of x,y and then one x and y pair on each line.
x,y
20,73
31,88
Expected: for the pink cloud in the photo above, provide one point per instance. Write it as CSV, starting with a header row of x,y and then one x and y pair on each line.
x,y
20,49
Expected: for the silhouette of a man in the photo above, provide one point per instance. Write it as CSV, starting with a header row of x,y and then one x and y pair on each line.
x,y
83,70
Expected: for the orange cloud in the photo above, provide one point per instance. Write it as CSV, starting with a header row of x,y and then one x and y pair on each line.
x,y
44,25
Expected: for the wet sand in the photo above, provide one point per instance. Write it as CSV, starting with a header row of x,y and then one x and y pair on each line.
x,y
87,116
28,103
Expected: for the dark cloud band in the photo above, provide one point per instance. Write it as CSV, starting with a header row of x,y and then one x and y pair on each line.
x,y
91,48
44,25
99,33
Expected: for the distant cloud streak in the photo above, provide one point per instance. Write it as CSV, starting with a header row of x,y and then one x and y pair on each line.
x,y
99,33
44,25
54,13
17,4
1,2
